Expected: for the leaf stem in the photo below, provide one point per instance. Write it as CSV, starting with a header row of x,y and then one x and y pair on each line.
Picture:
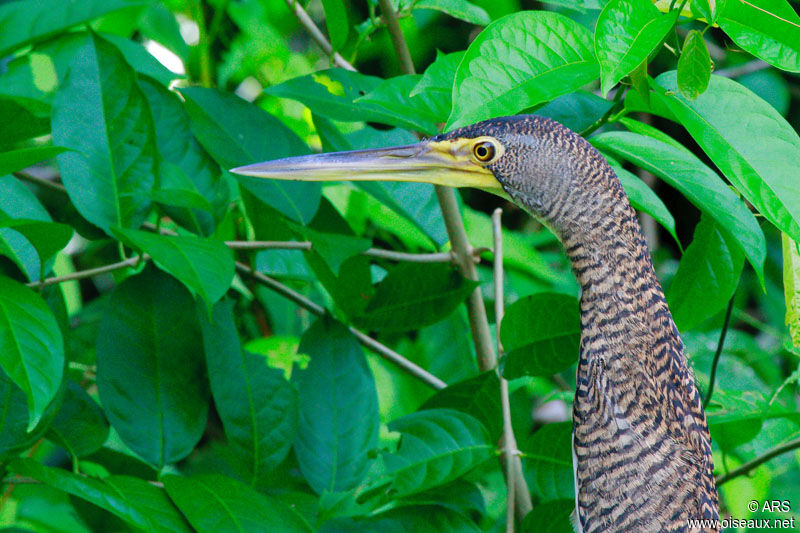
x,y
758,461
615,106
725,324
203,45
399,42
316,309
317,35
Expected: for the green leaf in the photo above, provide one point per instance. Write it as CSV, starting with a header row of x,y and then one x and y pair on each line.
x,y
694,66
707,276
46,238
414,295
31,347
701,186
437,446
577,111
627,32
515,63
142,61
14,434
150,372
460,9
334,248
478,396
768,29
236,133
422,518
550,517
391,102
25,157
338,409
135,501
80,426
258,407
19,123
217,504
644,199
540,334
336,21
27,22
193,170
439,76
204,266
791,286
703,9
100,113
548,462
765,177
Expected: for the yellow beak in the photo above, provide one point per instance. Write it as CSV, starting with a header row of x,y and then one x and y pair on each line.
x,y
440,163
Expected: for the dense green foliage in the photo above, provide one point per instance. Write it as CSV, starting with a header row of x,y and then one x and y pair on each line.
x,y
184,349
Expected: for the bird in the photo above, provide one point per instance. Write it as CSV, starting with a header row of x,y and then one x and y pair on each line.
x,y
640,443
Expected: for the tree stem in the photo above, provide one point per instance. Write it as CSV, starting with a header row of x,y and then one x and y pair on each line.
x,y
399,42
758,461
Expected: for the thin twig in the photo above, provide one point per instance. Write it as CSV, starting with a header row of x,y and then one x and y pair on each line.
x,y
758,461
317,35
509,441
81,274
441,257
36,180
399,42
316,309
717,354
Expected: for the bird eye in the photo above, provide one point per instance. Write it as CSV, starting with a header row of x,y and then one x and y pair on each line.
x,y
484,151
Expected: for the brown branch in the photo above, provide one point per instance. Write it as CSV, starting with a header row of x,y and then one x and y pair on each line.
x,y
317,35
316,309
81,274
758,461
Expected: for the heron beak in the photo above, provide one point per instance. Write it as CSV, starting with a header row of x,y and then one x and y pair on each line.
x,y
437,162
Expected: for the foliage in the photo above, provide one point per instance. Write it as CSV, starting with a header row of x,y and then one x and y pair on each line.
x,y
184,349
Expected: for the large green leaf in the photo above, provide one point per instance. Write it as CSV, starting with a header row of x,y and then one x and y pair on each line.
x,y
258,407
31,347
548,461
627,32
414,295
14,434
205,266
150,370
338,409
694,66
478,396
336,20
726,121
437,446
237,133
519,61
80,426
423,518
334,248
577,110
438,77
392,102
554,516
540,334
27,22
185,165
460,9
217,504
769,29
707,276
701,186
137,502
100,113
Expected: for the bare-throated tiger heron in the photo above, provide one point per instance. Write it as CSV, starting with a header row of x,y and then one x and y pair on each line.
x,y
641,447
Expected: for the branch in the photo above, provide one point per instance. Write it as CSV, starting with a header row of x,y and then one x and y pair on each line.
x,y
399,42
316,309
131,261
443,257
317,35
758,461
517,492
712,378
41,182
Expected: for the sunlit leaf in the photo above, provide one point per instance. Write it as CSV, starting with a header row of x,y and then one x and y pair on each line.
x,y
791,287
460,9
627,32
765,177
694,66
515,64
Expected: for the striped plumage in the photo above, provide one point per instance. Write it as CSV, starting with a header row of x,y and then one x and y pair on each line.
x,y
641,442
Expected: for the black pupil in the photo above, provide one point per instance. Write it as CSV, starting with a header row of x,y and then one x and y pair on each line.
x,y
482,151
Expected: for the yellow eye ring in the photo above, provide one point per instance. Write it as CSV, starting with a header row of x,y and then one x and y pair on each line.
x,y
484,151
